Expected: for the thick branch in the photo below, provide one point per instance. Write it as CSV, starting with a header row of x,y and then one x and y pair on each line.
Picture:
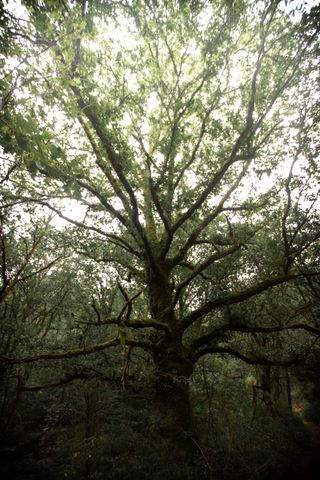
x,y
192,239
65,380
101,165
152,187
245,358
104,202
115,162
9,171
241,296
206,339
114,159
115,239
76,352
202,266
113,259
279,328
133,322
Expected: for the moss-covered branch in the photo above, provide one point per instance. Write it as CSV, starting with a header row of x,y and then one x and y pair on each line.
x,y
245,358
206,339
74,353
68,378
241,296
134,323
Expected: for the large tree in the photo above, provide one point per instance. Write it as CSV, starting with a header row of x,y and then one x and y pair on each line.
x,y
186,134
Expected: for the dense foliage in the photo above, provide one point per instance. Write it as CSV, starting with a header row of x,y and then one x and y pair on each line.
x,y
159,239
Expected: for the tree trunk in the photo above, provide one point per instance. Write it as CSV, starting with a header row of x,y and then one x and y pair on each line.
x,y
175,423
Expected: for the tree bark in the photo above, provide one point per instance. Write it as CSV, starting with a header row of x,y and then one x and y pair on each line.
x,y
174,427
175,423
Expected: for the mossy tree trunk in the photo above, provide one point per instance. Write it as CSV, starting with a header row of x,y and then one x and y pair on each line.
x,y
175,427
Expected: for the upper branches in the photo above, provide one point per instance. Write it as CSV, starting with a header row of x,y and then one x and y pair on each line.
x,y
175,122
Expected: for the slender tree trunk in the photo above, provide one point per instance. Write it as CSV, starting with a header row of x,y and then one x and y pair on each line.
x,y
266,385
90,428
288,389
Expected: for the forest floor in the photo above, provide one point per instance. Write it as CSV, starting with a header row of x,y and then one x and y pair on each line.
x,y
26,461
